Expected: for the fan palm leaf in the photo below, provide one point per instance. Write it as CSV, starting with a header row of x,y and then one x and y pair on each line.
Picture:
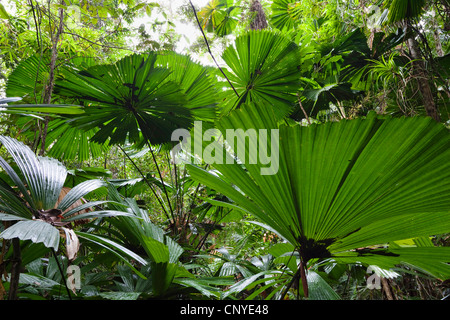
x,y
28,78
195,82
404,9
217,17
341,184
134,97
263,67
285,14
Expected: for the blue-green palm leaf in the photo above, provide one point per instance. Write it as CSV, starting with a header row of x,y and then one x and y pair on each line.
x,y
32,199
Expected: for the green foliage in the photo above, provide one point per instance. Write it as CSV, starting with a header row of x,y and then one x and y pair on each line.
x,y
219,16
336,181
263,67
135,96
358,178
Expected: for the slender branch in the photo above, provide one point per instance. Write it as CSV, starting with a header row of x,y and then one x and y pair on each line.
x,y
299,274
92,43
203,240
35,23
386,289
288,287
209,49
62,274
161,179
143,124
303,277
146,181
301,107
97,43
70,32
174,181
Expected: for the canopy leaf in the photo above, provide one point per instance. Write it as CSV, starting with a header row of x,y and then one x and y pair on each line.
x,y
263,68
286,14
218,16
137,97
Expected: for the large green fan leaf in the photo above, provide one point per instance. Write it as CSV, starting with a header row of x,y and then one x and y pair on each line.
x,y
131,98
337,181
195,81
285,14
28,78
404,9
263,68
64,141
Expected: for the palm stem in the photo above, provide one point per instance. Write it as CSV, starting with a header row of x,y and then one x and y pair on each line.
x,y
209,49
303,278
62,273
15,270
161,179
147,182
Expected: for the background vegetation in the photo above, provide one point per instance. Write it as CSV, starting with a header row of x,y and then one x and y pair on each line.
x,y
91,92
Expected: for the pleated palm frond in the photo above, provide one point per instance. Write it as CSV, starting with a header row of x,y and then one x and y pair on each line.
x,y
28,78
344,185
404,9
135,97
285,14
263,67
34,199
44,177
195,81
62,141
219,16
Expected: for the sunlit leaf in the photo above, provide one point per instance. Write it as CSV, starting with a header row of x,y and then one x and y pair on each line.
x,y
338,183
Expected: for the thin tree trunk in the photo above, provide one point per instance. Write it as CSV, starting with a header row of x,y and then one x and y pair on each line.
x,y
51,78
3,292
422,77
387,289
15,269
304,279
